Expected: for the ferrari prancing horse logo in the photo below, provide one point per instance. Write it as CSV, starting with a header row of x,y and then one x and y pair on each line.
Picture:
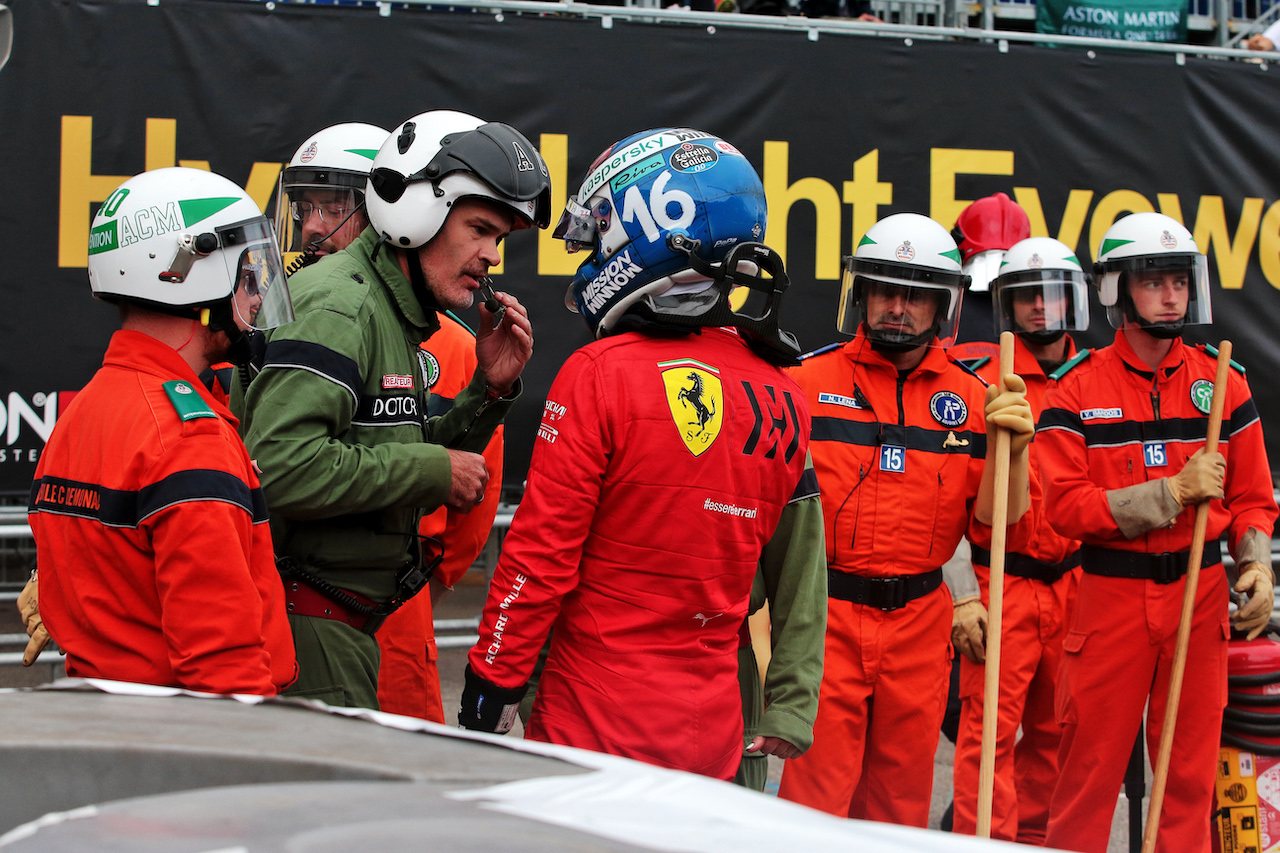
x,y
696,399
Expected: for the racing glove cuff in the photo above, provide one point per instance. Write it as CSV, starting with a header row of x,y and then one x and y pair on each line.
x,y
486,707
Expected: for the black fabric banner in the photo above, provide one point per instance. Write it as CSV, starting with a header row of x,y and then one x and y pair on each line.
x,y
844,130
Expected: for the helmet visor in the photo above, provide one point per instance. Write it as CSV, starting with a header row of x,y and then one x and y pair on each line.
x,y
1154,288
873,284
578,226
1041,301
983,268
292,188
260,295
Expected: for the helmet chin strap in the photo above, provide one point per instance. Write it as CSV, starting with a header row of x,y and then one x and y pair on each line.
x,y
1044,336
222,318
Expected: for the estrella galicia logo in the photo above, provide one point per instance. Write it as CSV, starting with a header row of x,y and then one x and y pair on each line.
x,y
693,158
948,409
1202,395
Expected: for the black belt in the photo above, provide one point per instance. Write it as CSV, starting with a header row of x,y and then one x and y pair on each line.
x,y
1161,568
1022,566
884,593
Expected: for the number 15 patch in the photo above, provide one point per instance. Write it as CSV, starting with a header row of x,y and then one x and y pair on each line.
x,y
893,459
1153,454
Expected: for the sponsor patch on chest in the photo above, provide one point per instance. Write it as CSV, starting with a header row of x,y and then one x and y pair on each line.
x,y
396,380
1099,414
948,409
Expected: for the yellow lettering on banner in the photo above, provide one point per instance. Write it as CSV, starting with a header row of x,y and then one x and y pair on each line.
x,y
78,188
1170,205
1108,211
945,164
1232,256
552,257
1269,245
781,195
261,183
866,193
1073,215
162,143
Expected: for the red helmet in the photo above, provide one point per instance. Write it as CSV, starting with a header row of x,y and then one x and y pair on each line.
x,y
984,231
994,222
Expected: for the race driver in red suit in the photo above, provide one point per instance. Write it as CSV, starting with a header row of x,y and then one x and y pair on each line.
x,y
151,532
1122,442
1041,293
900,447
670,463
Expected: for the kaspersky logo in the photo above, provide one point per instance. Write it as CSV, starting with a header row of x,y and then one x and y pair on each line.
x,y
146,222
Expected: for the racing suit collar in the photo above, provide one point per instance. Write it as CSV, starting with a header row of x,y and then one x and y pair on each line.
x,y
135,351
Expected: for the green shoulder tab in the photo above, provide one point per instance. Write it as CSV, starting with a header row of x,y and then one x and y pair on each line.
x,y
1213,351
975,364
461,322
1071,363
186,401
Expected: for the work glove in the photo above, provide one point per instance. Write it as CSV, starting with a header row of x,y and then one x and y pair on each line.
x,y
29,607
1253,556
969,628
1199,480
486,707
1011,411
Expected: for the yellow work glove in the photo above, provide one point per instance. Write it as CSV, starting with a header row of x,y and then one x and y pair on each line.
x,y
1199,480
29,607
1011,411
1254,614
969,628
1253,556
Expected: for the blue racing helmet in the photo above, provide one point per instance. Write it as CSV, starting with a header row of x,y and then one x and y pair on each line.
x,y
657,211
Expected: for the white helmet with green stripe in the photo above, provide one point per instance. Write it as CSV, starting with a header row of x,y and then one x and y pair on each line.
x,y
179,240
1041,291
337,159
1144,247
910,255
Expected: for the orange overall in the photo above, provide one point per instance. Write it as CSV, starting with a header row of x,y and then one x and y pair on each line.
x,y
151,533
899,460
1109,423
1039,581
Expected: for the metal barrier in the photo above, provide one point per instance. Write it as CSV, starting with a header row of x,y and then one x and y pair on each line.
x,y
1227,20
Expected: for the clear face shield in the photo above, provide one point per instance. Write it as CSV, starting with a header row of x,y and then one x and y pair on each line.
x,y
901,305
580,226
261,295
1041,303
1161,293
311,204
983,268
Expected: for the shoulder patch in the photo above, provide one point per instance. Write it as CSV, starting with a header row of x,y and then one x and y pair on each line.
x,y
1070,365
186,401
1212,351
461,322
821,350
